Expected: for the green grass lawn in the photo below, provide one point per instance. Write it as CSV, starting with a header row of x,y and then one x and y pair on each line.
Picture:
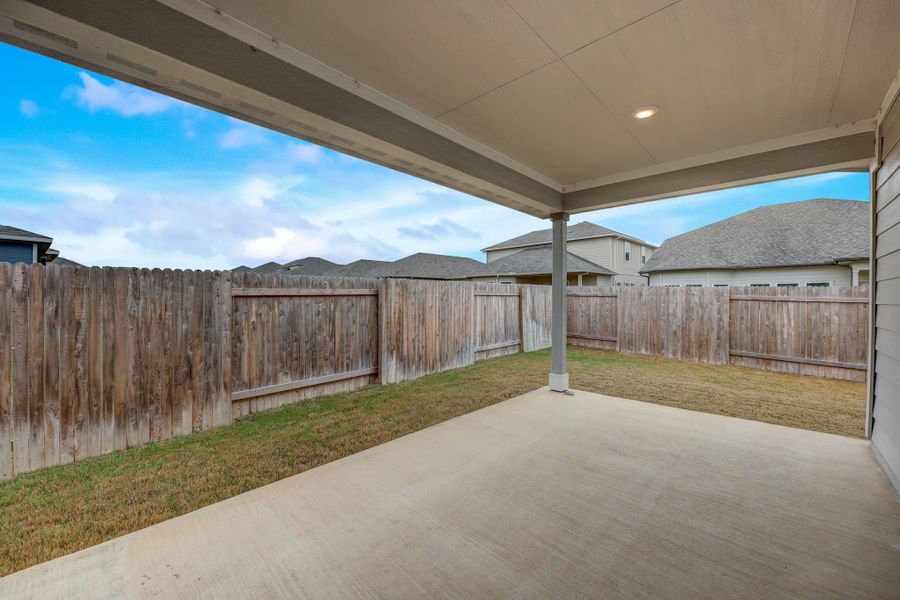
x,y
62,509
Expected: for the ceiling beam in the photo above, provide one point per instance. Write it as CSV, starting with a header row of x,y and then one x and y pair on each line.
x,y
850,152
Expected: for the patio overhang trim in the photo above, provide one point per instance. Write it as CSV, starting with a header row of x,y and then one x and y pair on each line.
x,y
852,152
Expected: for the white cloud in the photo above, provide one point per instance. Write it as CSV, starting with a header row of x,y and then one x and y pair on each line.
x,y
254,192
29,108
284,243
122,98
241,137
305,153
85,189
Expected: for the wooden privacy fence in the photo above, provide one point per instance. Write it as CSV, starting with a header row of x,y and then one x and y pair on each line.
x,y
295,338
809,331
96,360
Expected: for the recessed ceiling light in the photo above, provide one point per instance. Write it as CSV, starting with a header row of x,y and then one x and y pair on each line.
x,y
644,112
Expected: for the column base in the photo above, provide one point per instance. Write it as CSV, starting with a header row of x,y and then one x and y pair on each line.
x,y
559,382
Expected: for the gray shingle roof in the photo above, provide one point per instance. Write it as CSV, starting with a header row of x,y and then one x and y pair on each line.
x,y
358,268
269,267
810,232
578,231
311,265
9,231
428,266
538,261
65,262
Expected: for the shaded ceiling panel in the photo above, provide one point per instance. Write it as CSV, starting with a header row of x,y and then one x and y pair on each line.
x,y
551,122
567,26
725,74
432,56
870,61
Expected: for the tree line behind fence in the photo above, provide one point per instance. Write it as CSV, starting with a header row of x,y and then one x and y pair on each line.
x,y
94,360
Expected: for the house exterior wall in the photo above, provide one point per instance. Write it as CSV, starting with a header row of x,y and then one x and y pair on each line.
x,y
884,366
833,275
609,252
571,279
596,250
493,279
17,252
627,271
493,255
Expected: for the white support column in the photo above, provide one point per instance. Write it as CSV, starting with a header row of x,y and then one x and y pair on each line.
x,y
559,373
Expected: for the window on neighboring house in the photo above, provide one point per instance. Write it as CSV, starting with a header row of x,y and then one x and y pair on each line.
x,y
627,251
720,285
643,255
787,285
672,285
817,284
759,285
694,285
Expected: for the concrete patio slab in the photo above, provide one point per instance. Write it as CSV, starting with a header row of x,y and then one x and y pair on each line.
x,y
542,496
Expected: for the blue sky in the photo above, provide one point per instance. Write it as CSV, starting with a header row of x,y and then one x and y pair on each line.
x,y
121,176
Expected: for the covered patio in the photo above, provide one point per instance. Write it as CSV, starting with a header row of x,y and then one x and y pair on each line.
x,y
543,496
550,108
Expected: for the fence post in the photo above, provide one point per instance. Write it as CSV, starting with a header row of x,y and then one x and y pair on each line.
x,y
521,322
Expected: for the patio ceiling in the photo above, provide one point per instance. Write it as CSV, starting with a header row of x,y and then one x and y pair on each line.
x,y
523,102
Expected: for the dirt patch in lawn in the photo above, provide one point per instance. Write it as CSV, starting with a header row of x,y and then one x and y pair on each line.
x,y
60,510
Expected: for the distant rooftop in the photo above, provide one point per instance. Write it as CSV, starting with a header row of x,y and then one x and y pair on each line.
x,y
538,261
311,265
359,268
810,232
269,267
14,233
578,231
429,266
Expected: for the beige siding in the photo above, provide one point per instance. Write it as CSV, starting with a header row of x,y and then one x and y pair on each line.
x,y
835,275
886,294
596,250
607,252
493,255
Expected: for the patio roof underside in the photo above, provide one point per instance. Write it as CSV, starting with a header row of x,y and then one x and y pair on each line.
x,y
525,102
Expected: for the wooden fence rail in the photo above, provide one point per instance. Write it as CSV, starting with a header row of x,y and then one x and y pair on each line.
x,y
94,360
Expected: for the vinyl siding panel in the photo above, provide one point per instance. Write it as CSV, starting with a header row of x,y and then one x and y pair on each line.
x,y
833,275
495,254
17,252
886,364
596,250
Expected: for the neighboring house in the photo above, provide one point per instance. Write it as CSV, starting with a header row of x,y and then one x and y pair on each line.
x,y
534,265
359,268
65,262
269,267
311,265
428,266
821,242
20,246
620,254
